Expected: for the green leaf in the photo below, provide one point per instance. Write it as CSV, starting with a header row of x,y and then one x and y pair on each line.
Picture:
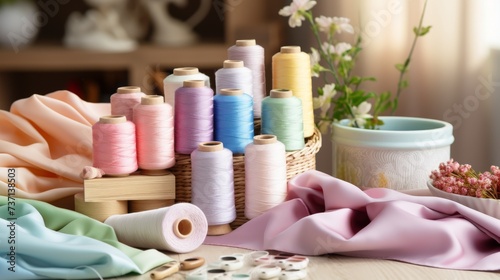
x,y
401,67
403,84
421,31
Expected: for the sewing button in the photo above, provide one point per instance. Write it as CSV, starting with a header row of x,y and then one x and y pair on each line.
x,y
268,271
231,265
192,263
293,274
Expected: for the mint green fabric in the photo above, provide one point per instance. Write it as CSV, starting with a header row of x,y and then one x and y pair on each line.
x,y
56,243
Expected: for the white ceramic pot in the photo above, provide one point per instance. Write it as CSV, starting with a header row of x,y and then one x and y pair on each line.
x,y
400,155
18,24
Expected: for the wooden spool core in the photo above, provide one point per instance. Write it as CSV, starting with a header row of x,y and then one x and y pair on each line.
x,y
246,43
194,83
231,91
152,100
211,146
128,89
264,139
183,227
290,49
184,71
281,93
112,119
233,63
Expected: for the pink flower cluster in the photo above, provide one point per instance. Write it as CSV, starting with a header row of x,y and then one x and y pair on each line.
x,y
457,178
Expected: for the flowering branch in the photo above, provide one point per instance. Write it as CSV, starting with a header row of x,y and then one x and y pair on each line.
x,y
341,96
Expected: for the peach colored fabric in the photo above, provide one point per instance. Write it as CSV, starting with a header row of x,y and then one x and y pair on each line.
x,y
48,139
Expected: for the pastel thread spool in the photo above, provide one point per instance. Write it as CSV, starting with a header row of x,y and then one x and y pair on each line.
x,y
265,175
154,122
292,70
253,57
175,80
180,228
212,185
194,116
114,146
234,75
233,119
99,210
124,100
282,116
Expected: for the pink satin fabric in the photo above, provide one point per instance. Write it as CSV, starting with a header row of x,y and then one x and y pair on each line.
x,y
48,138
324,215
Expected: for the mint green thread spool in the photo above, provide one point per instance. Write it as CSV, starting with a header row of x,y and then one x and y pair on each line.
x,y
282,116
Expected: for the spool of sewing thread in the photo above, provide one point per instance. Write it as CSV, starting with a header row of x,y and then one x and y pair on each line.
x,y
194,115
282,116
292,70
234,75
175,80
253,57
124,101
180,228
99,210
265,175
114,146
154,122
233,119
212,185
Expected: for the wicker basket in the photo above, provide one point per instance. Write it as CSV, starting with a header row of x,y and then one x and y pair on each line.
x,y
297,162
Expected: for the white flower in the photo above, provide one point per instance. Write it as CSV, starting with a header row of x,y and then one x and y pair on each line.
x,y
361,114
342,24
294,11
315,58
324,23
328,48
342,47
324,101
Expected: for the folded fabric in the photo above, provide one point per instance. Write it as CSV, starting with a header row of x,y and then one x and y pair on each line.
x,y
323,215
41,241
48,138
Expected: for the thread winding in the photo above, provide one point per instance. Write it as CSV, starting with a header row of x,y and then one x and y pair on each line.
x,y
253,57
212,182
282,116
180,228
124,100
292,70
233,119
265,175
114,146
234,75
194,115
175,80
154,124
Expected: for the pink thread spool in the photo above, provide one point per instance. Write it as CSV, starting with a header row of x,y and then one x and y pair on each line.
x,y
193,116
154,124
124,101
114,146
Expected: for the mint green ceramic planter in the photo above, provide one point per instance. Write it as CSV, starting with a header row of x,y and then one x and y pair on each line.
x,y
400,155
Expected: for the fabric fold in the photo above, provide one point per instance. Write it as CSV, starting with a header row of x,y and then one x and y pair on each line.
x,y
324,215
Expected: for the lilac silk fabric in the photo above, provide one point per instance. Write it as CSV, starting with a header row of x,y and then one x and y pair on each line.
x,y
323,215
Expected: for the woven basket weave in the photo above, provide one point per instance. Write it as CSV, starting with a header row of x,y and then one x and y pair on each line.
x,y
297,162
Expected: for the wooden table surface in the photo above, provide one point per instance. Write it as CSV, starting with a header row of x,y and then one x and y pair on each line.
x,y
338,267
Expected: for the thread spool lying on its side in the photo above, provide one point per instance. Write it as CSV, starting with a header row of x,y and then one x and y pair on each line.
x,y
265,175
154,124
114,146
99,210
180,228
124,100
212,185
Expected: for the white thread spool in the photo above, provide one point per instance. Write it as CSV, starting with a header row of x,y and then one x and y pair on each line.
x,y
124,100
154,123
265,175
180,228
253,57
175,80
212,184
234,74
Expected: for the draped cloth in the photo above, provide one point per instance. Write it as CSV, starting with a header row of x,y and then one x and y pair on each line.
x,y
323,215
41,241
48,139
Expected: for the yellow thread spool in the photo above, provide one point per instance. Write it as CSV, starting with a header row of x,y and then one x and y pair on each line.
x,y
292,70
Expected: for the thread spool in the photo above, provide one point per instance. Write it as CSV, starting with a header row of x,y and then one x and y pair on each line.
x,y
212,185
180,228
124,100
99,210
234,74
292,70
194,116
265,175
144,205
154,122
253,57
114,146
233,119
175,80
282,116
